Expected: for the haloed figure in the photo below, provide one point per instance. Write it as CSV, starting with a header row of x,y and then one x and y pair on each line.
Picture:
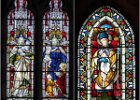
x,y
55,59
20,61
104,68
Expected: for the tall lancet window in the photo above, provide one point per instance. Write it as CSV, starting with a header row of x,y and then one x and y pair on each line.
x,y
106,57
20,52
55,65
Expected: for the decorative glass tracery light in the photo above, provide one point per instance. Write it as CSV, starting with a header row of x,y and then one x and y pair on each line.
x,y
55,52
106,57
20,52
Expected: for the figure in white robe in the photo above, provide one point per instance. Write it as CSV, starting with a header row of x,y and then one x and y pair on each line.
x,y
20,61
104,68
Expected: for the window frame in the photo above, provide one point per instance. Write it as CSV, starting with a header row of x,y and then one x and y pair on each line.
x,y
38,12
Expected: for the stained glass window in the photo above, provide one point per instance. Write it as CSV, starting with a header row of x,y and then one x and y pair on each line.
x,y
106,57
55,68
20,52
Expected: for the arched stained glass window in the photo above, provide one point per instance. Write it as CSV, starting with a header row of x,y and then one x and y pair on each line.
x,y
55,68
20,52
106,57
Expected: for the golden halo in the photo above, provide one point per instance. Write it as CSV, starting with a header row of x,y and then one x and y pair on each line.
x,y
57,33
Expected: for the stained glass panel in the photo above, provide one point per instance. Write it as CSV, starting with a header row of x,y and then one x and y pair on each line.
x,y
20,52
106,57
55,66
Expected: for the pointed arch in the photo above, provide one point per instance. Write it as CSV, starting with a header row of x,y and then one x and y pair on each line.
x,y
93,81
20,52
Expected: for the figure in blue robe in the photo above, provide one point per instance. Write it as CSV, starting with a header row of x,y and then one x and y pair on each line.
x,y
57,58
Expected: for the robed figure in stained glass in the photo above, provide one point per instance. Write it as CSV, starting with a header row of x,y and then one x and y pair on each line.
x,y
104,67
20,51
20,57
55,51
55,59
106,57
